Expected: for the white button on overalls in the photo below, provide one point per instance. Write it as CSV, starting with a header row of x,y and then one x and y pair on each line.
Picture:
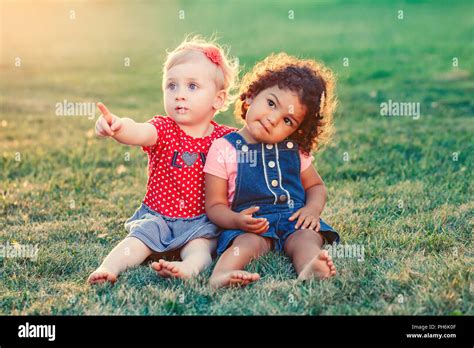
x,y
269,146
274,183
289,145
245,148
271,164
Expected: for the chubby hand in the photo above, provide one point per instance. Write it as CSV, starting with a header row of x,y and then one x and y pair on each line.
x,y
307,219
247,223
107,124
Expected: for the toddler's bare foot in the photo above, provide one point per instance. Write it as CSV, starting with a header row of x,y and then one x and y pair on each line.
x,y
321,266
102,275
174,269
233,278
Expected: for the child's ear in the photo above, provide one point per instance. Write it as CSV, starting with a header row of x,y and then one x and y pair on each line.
x,y
248,100
219,100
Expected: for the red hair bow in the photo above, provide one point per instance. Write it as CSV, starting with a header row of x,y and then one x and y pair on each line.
x,y
213,54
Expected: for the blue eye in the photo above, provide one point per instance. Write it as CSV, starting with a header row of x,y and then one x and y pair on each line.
x,y
193,86
288,121
171,86
271,103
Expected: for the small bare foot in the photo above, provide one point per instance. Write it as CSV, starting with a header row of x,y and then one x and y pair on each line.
x,y
174,269
102,275
233,278
321,266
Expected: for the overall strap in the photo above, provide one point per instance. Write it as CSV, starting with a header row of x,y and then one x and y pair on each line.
x,y
235,139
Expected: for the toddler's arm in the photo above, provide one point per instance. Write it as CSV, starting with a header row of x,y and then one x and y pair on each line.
x,y
308,216
124,130
218,211
315,189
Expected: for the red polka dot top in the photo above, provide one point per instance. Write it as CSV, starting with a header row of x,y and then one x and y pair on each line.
x,y
176,161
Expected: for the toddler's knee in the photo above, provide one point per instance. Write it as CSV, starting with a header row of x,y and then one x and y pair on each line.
x,y
200,242
304,236
253,240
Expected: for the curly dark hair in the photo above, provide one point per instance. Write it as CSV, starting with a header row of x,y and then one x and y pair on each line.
x,y
315,86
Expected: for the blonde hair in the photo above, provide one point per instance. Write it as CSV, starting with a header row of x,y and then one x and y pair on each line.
x,y
227,69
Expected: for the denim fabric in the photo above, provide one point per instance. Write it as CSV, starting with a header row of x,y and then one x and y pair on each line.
x,y
272,182
162,233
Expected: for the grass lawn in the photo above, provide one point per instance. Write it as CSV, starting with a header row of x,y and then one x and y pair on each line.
x,y
399,187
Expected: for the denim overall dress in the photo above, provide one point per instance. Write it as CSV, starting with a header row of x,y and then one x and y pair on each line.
x,y
271,181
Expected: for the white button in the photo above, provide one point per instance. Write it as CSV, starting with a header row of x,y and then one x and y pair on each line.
x,y
290,145
274,183
271,164
269,146
238,141
245,148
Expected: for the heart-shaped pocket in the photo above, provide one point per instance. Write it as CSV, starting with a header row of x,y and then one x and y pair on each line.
x,y
189,158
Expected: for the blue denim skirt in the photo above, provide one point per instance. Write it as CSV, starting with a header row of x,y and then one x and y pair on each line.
x,y
163,233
